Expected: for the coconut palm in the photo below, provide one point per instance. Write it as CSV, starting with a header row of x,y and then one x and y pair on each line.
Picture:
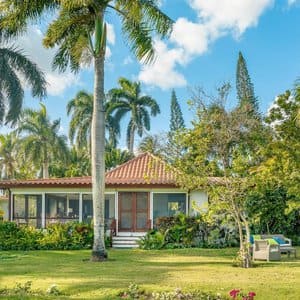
x,y
8,154
129,99
79,30
153,144
81,110
115,157
16,68
42,142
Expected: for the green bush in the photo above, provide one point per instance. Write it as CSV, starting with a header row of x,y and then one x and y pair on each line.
x,y
68,236
182,231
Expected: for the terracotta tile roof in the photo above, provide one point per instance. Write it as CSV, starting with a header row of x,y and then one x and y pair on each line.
x,y
143,170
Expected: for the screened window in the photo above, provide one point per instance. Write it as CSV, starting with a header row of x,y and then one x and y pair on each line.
x,y
64,207
27,209
167,205
87,207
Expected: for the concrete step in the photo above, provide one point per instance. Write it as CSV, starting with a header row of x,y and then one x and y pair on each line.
x,y
125,246
126,238
125,241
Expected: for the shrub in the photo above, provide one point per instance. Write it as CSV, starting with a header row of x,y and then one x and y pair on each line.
x,y
68,236
182,231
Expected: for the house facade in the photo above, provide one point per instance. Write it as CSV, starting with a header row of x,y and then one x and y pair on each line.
x,y
136,194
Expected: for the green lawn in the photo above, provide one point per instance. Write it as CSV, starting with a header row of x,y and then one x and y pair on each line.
x,y
205,269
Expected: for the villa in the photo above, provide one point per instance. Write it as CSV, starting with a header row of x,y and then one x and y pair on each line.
x,y
136,194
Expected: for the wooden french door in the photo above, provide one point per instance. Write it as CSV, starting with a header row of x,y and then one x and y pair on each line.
x,y
133,211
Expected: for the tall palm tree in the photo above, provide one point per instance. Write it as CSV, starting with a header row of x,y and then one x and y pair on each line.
x,y
16,68
81,110
129,99
42,142
79,31
8,154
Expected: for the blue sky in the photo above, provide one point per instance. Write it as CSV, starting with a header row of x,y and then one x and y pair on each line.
x,y
202,51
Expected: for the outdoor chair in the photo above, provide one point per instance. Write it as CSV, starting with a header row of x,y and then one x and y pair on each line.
x,y
263,250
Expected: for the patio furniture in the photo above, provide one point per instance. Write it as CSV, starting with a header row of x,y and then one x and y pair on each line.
x,y
288,250
263,250
279,238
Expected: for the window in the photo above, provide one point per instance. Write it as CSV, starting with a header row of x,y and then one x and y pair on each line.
x,y
87,207
168,204
27,209
64,207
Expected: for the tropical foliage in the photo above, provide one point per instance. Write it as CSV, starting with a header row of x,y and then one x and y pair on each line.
x,y
81,110
128,98
41,141
79,31
15,69
8,154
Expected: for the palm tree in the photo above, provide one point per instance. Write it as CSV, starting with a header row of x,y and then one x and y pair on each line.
x,y
42,142
14,65
8,154
128,99
81,110
79,32
115,157
153,144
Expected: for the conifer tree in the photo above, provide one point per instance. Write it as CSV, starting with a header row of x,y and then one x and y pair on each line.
x,y
244,86
176,121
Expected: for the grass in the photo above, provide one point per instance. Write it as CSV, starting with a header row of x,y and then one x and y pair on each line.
x,y
189,269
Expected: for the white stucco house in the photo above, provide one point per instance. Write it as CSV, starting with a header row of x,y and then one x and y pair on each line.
x,y
136,194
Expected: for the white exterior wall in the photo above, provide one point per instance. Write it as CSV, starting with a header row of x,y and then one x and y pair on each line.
x,y
198,202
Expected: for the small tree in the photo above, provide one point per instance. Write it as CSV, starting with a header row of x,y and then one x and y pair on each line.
x,y
222,143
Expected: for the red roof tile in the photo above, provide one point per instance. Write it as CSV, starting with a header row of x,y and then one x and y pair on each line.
x,y
143,170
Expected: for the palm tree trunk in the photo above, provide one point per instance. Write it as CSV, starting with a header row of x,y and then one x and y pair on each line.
x,y
98,162
131,140
45,169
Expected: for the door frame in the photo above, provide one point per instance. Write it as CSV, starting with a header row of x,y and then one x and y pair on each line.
x,y
133,211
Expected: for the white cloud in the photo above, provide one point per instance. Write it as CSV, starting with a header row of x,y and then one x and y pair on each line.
x,y
292,2
127,61
232,15
192,37
111,36
215,19
31,43
162,72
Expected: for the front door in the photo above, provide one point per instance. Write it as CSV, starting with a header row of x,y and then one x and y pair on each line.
x,y
133,211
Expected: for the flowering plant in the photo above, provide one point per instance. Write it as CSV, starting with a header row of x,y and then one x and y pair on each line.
x,y
235,294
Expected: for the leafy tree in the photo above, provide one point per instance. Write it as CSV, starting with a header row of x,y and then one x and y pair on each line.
x,y
129,99
79,31
15,67
81,110
244,86
176,122
8,154
220,150
267,205
42,142
280,159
